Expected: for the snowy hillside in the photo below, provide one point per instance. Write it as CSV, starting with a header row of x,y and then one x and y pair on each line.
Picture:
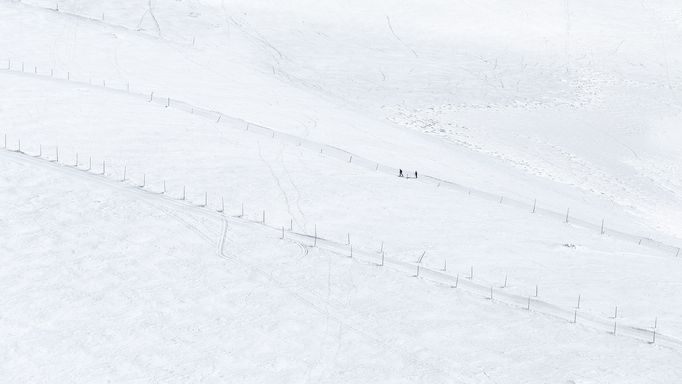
x,y
207,191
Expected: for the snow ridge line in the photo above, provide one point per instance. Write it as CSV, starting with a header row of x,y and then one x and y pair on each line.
x,y
349,157
372,258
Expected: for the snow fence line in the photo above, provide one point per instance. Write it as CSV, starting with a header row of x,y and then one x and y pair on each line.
x,y
375,257
341,154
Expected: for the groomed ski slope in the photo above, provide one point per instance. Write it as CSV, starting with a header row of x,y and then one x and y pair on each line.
x,y
146,287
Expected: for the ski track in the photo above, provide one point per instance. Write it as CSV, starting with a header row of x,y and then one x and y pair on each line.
x,y
390,27
156,22
277,183
295,187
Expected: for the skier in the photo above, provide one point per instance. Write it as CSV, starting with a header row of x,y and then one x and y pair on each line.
x,y
400,173
415,174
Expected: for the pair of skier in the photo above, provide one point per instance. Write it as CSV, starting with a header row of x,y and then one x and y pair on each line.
x,y
400,173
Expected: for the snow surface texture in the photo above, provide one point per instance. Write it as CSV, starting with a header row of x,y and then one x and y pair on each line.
x,y
287,116
151,290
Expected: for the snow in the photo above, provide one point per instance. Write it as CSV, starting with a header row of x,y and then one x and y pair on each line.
x,y
148,290
106,280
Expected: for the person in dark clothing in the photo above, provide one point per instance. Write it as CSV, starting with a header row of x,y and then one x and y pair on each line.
x,y
400,173
415,174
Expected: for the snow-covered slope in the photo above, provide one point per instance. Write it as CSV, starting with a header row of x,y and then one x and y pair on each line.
x,y
546,108
302,189
105,282
600,69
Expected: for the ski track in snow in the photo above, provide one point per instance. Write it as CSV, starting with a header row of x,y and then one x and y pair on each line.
x,y
294,186
277,183
156,22
390,27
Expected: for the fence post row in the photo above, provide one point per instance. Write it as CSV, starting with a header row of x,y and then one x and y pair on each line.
x,y
168,101
654,330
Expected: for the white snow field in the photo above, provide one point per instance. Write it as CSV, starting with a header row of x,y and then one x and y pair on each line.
x,y
149,290
207,192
